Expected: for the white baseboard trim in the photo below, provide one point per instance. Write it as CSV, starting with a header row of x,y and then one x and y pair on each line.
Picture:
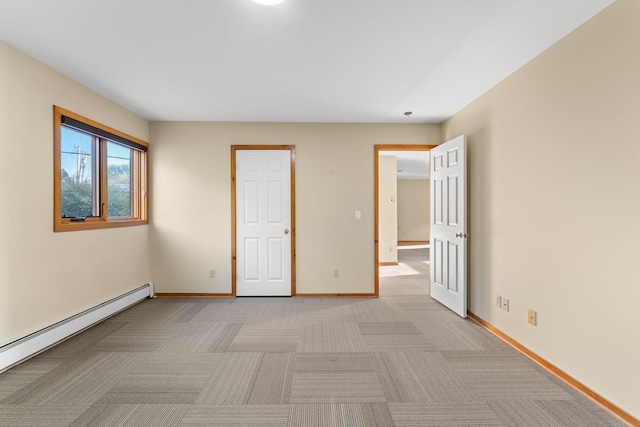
x,y
23,348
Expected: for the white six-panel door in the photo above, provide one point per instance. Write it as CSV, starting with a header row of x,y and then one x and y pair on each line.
x,y
448,234
263,222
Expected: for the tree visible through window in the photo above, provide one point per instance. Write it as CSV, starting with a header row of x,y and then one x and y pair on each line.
x,y
119,180
100,175
78,154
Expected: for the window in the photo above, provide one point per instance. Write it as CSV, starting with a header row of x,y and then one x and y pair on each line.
x,y
100,175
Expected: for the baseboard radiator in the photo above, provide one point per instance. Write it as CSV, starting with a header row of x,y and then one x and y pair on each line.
x,y
23,348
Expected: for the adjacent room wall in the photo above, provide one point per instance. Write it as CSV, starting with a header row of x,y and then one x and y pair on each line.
x,y
387,209
413,209
46,277
554,205
191,200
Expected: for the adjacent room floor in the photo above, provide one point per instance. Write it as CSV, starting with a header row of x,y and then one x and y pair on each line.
x,y
400,360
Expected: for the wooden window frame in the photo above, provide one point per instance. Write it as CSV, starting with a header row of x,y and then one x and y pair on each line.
x,y
139,180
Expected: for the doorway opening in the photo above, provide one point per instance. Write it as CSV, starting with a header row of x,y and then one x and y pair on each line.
x,y
401,212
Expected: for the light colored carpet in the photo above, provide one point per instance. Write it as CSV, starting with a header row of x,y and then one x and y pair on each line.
x,y
400,360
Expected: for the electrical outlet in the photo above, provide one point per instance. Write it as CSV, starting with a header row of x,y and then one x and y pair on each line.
x,y
336,274
505,304
499,301
212,273
533,317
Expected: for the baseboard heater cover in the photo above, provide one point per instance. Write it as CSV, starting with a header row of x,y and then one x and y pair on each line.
x,y
26,347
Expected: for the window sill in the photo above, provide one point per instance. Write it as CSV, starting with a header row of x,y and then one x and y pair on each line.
x,y
97,224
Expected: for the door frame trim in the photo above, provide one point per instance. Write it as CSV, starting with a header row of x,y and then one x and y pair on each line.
x,y
292,150
376,196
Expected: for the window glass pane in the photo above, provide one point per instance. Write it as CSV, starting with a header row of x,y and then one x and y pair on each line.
x,y
119,180
78,187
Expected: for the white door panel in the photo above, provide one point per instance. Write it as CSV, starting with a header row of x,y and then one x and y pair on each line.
x,y
263,222
448,225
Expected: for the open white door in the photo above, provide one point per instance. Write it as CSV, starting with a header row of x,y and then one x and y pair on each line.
x,y
263,222
448,234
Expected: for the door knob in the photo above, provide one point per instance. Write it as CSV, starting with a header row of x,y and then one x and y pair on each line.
x,y
286,231
461,235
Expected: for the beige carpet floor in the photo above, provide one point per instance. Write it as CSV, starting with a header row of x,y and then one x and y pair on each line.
x,y
400,360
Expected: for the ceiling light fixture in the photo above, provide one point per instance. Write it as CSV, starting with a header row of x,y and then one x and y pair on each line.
x,y
268,2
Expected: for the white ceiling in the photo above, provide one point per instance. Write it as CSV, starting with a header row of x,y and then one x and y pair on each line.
x,y
301,61
410,164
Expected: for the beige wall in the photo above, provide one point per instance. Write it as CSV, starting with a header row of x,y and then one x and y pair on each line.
x,y
554,206
387,209
413,209
46,276
191,210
